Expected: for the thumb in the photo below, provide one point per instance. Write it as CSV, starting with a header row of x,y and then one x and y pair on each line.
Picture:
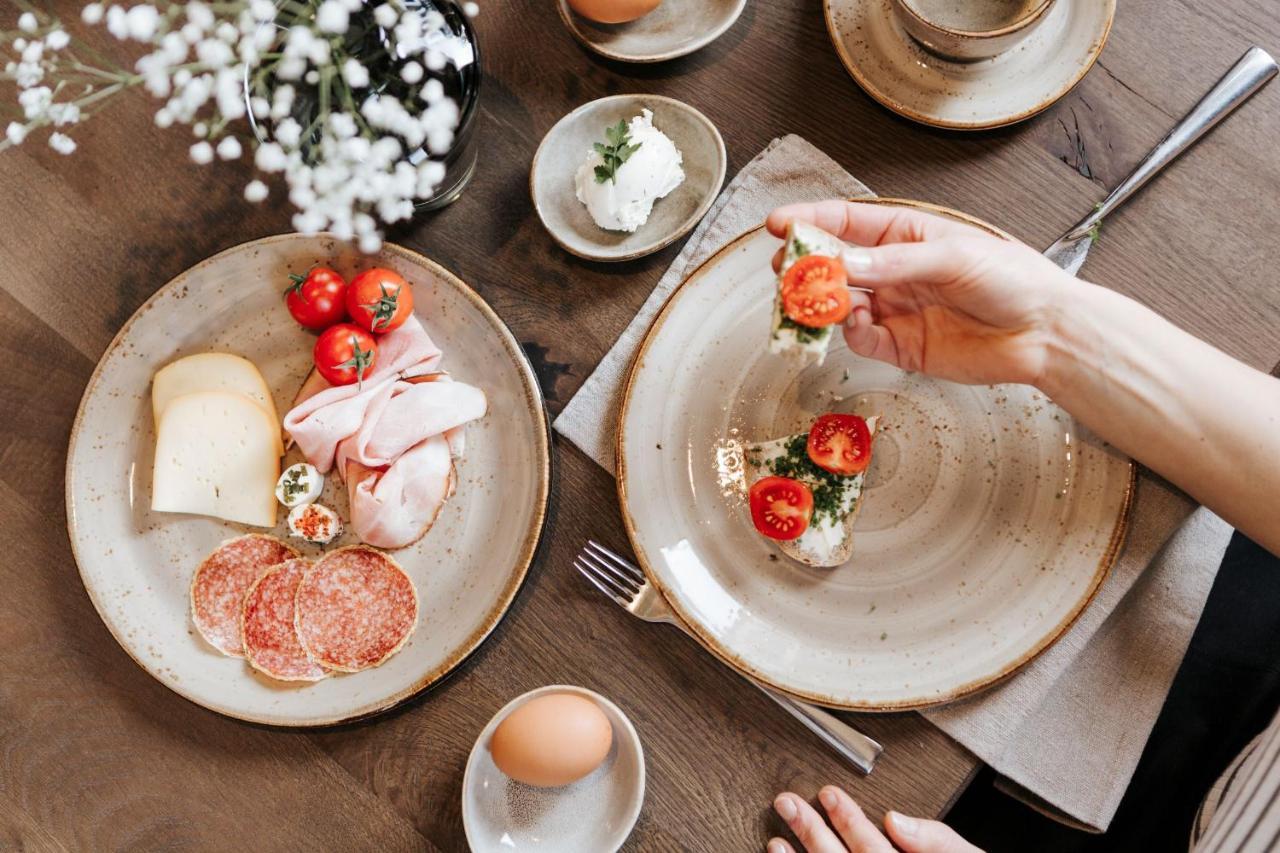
x,y
932,262
916,835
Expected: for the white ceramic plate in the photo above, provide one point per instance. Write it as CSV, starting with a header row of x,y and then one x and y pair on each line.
x,y
675,28
989,519
137,565
1006,89
593,815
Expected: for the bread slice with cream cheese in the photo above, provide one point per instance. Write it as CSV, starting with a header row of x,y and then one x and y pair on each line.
x,y
787,337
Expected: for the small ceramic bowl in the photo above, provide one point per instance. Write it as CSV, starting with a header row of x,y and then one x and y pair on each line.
x,y
567,144
970,41
592,815
675,28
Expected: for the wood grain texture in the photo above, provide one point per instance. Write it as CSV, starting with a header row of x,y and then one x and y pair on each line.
x,y
100,756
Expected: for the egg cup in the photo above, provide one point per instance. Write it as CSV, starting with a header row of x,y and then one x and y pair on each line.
x,y
592,815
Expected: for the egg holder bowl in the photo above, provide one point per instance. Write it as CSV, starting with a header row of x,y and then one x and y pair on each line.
x,y
596,813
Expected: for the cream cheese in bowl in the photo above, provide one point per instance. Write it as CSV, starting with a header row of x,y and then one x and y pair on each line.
x,y
620,195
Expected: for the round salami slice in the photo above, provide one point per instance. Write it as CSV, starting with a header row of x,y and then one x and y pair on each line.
x,y
270,639
355,608
219,585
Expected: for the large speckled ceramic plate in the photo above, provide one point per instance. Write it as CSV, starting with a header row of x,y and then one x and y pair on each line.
x,y
137,564
989,519
1009,88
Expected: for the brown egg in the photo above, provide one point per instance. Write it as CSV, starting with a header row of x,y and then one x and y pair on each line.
x,y
552,740
613,11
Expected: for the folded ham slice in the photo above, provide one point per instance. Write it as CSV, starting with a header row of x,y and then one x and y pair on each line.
x,y
392,441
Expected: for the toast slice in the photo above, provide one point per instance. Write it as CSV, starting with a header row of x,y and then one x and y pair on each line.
x,y
787,337
828,541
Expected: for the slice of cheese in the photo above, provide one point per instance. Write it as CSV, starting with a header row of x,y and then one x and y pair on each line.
x,y
786,337
217,453
210,371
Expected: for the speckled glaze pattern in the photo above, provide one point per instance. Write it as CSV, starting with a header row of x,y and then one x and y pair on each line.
x,y
593,815
136,564
566,145
990,517
675,28
1005,89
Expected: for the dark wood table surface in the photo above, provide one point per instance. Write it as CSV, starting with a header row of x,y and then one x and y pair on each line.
x,y
98,755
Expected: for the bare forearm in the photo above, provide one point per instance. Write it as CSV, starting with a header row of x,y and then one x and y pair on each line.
x,y
1194,415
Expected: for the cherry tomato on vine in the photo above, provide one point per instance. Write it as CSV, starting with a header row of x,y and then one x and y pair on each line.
x,y
318,299
379,300
345,353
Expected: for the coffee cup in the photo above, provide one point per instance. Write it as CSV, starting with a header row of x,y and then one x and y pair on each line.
x,y
969,30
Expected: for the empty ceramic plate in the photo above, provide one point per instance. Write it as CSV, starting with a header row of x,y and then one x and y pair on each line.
x,y
593,815
675,28
567,144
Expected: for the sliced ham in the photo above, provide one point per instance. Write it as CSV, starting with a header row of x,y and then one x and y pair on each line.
x,y
393,441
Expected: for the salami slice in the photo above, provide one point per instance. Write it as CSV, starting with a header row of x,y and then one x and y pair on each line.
x,y
355,608
270,639
219,585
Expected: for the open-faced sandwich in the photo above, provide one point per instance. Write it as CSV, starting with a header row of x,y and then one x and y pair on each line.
x,y
813,296
805,490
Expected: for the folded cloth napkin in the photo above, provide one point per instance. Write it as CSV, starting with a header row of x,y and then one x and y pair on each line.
x,y
1065,732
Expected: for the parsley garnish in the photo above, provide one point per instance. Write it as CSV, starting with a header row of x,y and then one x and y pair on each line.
x,y
617,152
798,248
804,334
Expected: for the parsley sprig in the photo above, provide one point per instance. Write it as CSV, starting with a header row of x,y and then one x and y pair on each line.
x,y
617,152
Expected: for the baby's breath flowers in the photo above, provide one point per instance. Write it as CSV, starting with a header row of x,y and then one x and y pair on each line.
x,y
342,98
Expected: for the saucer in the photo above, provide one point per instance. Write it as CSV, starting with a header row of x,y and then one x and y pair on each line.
x,y
567,143
1003,90
675,28
593,815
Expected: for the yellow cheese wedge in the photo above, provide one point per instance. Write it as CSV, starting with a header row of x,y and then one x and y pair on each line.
x,y
210,371
217,453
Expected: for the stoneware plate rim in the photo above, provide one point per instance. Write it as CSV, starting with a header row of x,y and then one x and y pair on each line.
x,y
631,735
864,80
571,24
687,225
528,549
727,655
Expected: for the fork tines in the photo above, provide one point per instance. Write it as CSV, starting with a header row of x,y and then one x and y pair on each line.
x,y
609,573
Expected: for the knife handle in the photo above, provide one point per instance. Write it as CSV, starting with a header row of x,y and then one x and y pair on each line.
x,y
1247,76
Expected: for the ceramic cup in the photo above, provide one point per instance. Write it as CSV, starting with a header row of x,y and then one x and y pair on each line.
x,y
969,30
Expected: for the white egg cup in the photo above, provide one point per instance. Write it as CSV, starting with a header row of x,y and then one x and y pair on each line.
x,y
593,815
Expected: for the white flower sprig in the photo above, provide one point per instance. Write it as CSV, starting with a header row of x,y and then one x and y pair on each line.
x,y
343,98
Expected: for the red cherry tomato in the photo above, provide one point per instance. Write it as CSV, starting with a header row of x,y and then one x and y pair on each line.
x,y
344,354
840,443
379,300
814,291
318,299
781,507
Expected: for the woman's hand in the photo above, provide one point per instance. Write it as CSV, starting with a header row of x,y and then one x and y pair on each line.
x,y
948,299
852,832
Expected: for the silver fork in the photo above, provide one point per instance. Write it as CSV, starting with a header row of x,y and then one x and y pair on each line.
x,y
626,585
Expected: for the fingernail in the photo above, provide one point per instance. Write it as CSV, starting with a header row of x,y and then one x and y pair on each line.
x,y
775,846
856,259
786,808
907,827
828,798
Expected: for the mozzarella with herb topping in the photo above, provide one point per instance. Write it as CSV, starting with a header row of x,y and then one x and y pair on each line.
x,y
299,484
315,523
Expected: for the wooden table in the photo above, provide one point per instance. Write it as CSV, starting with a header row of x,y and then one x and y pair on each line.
x,y
98,755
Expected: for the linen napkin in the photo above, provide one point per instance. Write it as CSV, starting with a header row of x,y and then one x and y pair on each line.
x,y
1066,732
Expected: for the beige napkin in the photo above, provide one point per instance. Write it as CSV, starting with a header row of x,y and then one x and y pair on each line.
x,y
1066,732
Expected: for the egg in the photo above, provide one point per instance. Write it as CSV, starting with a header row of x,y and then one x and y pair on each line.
x,y
552,740
613,11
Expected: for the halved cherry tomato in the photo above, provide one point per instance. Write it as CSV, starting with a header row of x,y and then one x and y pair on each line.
x,y
781,507
840,444
379,300
318,299
344,354
814,291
